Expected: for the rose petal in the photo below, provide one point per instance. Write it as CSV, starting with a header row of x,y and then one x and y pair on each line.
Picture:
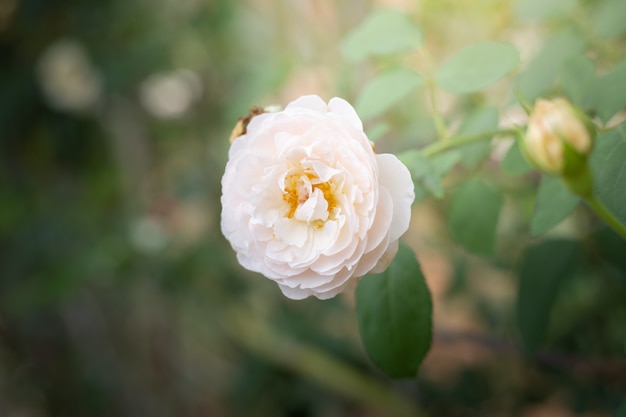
x,y
386,258
396,178
381,239
310,102
345,109
295,293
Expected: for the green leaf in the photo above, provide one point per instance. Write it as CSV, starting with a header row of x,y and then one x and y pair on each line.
x,y
394,311
577,80
608,19
608,164
485,119
423,173
608,92
420,192
444,162
385,90
385,31
541,9
543,270
613,247
542,72
515,163
427,173
473,216
553,204
477,66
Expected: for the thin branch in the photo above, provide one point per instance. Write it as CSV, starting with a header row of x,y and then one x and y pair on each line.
x,y
606,215
442,146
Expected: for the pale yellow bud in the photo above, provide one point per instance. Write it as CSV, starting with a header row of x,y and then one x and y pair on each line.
x,y
553,128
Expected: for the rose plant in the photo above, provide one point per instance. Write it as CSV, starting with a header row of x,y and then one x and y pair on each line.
x,y
307,202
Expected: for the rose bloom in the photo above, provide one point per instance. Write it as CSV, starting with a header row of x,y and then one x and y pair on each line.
x,y
552,124
307,203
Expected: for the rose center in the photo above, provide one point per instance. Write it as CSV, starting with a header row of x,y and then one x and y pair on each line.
x,y
308,198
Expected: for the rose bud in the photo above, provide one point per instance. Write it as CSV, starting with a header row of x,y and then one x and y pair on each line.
x,y
558,138
306,201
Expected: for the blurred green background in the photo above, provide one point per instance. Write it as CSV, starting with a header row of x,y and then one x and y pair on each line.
x,y
120,297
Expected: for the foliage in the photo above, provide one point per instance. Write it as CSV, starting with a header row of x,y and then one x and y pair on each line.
x,y
394,311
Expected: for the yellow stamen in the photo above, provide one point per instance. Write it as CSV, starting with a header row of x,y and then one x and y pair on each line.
x,y
293,195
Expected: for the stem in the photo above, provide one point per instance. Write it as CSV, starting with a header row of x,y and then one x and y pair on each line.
x,y
523,102
606,215
315,364
431,86
440,124
441,146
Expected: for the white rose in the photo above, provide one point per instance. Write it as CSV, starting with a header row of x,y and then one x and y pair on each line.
x,y
307,203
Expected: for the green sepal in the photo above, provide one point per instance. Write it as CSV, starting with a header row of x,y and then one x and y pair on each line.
x,y
580,182
573,161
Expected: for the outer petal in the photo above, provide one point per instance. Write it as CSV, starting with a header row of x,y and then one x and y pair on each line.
x,y
255,124
386,258
377,245
346,286
341,280
311,102
295,293
345,109
396,178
